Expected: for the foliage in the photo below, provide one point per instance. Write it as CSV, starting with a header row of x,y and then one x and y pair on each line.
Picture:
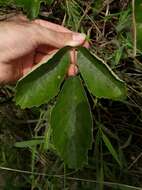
x,y
73,132
137,24
43,84
114,159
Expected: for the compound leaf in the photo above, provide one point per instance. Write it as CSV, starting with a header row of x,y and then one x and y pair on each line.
x,y
99,78
71,124
43,83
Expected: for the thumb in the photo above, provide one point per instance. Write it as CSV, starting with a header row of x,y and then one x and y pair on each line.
x,y
59,39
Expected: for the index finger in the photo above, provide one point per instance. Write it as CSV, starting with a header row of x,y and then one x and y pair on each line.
x,y
52,26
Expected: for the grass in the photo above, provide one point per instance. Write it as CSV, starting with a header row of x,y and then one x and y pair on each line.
x,y
108,26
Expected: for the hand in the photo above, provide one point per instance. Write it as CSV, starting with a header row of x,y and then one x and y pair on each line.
x,y
24,43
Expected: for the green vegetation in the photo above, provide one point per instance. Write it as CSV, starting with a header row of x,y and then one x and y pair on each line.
x,y
34,142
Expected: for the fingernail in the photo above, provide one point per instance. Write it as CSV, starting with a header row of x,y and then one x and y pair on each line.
x,y
79,37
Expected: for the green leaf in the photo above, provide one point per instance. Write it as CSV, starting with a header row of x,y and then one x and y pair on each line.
x,y
138,9
43,83
110,147
49,2
28,144
31,7
71,124
99,78
98,5
138,20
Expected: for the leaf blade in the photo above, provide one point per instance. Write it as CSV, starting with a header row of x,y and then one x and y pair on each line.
x,y
138,23
31,7
72,132
110,148
99,78
29,143
43,83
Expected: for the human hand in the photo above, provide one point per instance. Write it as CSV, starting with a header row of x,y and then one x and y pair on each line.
x,y
26,43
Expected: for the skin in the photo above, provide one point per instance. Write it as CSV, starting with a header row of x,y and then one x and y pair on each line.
x,y
24,44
